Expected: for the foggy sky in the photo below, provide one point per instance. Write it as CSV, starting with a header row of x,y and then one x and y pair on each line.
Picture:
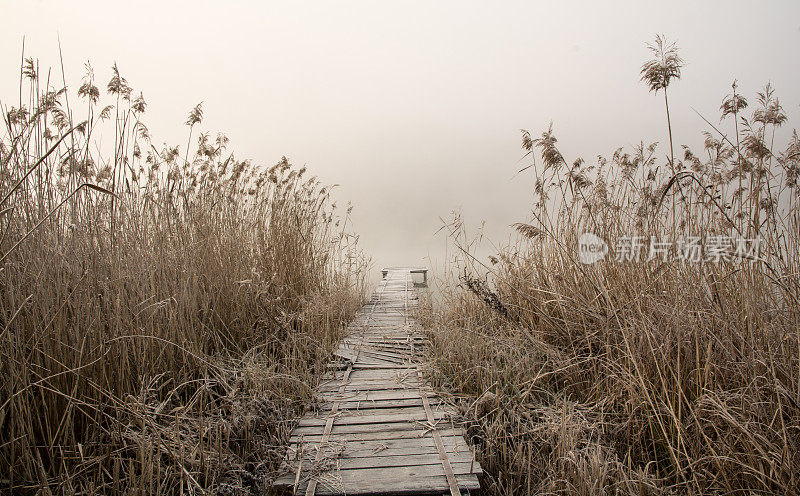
x,y
415,108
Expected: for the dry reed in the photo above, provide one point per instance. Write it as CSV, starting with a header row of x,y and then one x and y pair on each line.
x,y
645,376
164,313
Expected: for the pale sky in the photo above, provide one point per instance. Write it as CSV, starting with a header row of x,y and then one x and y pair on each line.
x,y
415,107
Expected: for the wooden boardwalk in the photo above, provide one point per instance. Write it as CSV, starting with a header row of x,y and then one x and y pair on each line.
x,y
377,427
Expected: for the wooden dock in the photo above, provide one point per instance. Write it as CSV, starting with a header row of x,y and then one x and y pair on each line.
x,y
377,427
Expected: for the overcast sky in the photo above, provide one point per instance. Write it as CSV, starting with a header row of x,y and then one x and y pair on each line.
x,y
414,107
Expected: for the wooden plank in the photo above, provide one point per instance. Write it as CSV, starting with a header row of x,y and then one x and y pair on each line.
x,y
403,335
361,376
391,394
394,350
394,372
394,482
394,346
455,443
397,351
372,351
372,436
373,336
368,387
376,376
367,356
462,464
376,418
370,396
371,386
453,452
345,415
365,359
391,342
385,377
359,366
383,468
364,405
398,474
405,424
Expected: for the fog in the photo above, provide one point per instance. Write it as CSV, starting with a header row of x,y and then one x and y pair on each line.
x,y
414,108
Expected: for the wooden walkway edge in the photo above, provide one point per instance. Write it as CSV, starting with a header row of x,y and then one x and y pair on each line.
x,y
377,427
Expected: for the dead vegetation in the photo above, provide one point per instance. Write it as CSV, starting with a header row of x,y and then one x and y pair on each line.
x,y
649,375
164,311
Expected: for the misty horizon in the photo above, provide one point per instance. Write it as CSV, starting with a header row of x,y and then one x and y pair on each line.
x,y
416,111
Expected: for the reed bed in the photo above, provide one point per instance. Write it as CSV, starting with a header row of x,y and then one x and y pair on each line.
x,y
649,375
165,310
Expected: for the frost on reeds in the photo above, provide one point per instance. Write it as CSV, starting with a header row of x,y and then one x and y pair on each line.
x,y
164,312
649,375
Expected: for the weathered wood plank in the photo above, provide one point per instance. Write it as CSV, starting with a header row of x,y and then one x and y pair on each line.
x,y
376,418
380,435
390,394
455,443
455,453
393,481
404,425
365,374
461,463
370,395
345,415
376,376
373,386
363,405
388,382
365,366
385,468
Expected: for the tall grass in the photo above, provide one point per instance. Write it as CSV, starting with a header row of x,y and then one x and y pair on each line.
x,y
645,376
164,310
